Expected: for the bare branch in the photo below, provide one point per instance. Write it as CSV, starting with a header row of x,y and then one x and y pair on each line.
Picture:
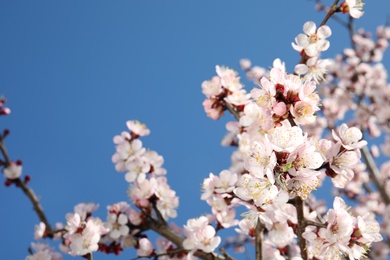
x,y
374,174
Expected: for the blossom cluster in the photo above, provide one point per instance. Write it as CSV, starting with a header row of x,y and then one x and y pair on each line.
x,y
343,235
43,251
200,235
359,73
222,91
144,172
83,232
310,44
280,160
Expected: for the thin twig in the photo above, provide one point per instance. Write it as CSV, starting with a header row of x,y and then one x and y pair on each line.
x,y
333,9
351,31
4,152
27,191
313,223
374,174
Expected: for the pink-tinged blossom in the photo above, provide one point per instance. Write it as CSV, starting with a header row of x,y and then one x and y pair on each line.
x,y
213,111
245,64
349,137
137,128
344,234
305,156
368,229
73,222
331,242
303,183
313,41
246,227
251,113
281,234
227,218
226,182
43,252
303,112
262,159
212,87
229,78
375,151
200,235
271,252
117,224
142,191
256,73
261,191
238,98
222,184
39,231
353,7
124,137
167,199
233,130
137,168
264,97
85,209
135,217
12,171
340,224
286,138
130,150
341,164
84,236
155,161
145,248
314,69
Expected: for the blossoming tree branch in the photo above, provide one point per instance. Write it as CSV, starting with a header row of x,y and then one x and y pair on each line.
x,y
290,133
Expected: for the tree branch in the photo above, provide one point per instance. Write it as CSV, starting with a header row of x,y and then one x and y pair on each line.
x,y
301,227
259,240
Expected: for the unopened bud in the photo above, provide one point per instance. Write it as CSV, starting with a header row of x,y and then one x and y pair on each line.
x,y
8,182
27,179
5,133
5,111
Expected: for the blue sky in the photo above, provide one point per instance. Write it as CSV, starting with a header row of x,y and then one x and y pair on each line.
x,y
75,71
